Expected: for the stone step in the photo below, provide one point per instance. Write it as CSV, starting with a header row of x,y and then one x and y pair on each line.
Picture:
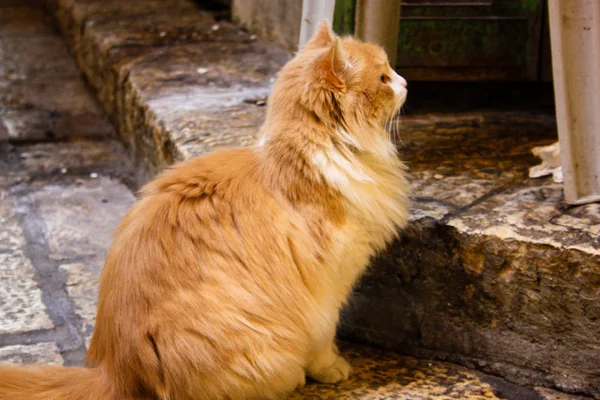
x,y
495,271
176,82
42,96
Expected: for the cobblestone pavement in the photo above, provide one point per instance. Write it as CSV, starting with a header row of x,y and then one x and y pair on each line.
x,y
65,182
62,192
59,203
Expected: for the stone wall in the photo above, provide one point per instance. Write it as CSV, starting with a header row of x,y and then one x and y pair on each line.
x,y
278,21
529,312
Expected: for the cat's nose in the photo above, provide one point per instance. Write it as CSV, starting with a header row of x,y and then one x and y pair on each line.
x,y
402,81
398,81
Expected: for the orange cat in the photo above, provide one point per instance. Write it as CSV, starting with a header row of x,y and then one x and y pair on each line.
x,y
226,279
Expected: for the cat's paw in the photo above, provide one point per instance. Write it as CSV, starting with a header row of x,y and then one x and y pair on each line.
x,y
339,371
302,381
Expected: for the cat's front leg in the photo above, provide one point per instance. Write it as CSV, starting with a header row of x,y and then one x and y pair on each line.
x,y
328,366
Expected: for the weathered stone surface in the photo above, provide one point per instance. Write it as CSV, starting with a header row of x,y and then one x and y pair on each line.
x,y
548,394
48,274
69,199
40,353
506,307
62,95
77,158
42,94
82,288
21,306
24,19
79,215
380,375
277,21
535,214
80,219
44,98
48,109
156,72
45,57
198,127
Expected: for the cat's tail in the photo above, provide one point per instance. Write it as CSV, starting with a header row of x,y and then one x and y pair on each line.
x,y
53,383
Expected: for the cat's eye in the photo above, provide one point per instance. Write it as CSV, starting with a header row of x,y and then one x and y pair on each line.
x,y
384,78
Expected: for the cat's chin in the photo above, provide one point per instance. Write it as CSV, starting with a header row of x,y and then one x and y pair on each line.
x,y
401,99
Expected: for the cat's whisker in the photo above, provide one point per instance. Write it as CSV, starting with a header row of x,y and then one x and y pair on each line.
x,y
396,128
391,127
386,127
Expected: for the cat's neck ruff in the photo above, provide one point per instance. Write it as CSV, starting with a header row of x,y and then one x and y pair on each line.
x,y
373,182
363,169
341,165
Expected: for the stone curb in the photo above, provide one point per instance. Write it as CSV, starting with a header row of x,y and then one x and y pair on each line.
x,y
175,81
495,272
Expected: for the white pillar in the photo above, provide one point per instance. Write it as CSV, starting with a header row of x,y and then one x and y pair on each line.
x,y
378,21
313,12
575,41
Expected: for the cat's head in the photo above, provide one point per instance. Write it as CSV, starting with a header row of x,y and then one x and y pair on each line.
x,y
341,81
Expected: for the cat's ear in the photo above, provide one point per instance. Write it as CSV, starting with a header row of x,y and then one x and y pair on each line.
x,y
322,37
334,64
339,60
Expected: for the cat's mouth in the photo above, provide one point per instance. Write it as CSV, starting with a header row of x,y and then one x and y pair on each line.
x,y
398,85
400,99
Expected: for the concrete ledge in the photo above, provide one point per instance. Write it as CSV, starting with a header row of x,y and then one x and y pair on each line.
x,y
175,81
495,271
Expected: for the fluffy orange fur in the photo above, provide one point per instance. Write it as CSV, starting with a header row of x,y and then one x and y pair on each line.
x,y
226,279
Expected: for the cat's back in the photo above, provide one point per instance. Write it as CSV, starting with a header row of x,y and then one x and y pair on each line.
x,y
186,214
204,255
196,192
218,173
194,200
